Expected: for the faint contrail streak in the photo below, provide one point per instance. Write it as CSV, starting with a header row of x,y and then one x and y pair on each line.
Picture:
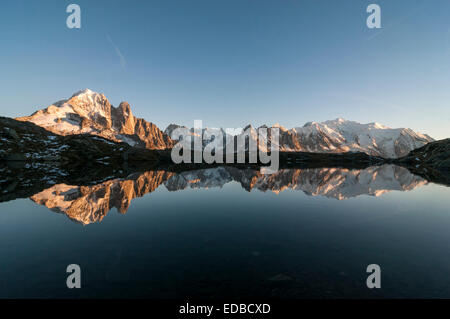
x,y
123,62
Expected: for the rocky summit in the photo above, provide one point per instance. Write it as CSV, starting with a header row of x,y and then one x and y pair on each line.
x,y
88,112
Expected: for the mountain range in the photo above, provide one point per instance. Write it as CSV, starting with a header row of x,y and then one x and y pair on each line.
x,y
334,136
88,112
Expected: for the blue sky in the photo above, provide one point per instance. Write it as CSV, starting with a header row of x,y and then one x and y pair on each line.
x,y
234,62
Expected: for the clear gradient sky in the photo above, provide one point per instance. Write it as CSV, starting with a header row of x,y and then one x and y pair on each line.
x,y
234,62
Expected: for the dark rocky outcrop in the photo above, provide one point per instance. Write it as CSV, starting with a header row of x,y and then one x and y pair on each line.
x,y
431,161
24,141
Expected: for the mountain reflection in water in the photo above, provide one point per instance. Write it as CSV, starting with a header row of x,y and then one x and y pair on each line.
x,y
90,204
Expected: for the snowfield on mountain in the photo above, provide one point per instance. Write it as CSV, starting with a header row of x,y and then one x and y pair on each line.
x,y
336,136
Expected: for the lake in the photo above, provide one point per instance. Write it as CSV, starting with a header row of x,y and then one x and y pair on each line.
x,y
228,232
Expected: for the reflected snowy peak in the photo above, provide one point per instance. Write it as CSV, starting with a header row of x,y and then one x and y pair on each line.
x,y
90,204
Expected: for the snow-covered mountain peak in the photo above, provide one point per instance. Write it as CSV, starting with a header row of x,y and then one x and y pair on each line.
x,y
340,135
85,92
248,127
379,126
89,97
281,127
91,101
349,125
89,112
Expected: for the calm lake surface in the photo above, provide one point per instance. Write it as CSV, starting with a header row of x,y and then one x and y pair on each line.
x,y
225,232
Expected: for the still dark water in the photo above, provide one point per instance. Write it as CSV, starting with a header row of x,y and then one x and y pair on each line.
x,y
225,232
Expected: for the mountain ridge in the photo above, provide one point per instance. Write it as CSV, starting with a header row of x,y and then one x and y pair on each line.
x,y
337,136
89,112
